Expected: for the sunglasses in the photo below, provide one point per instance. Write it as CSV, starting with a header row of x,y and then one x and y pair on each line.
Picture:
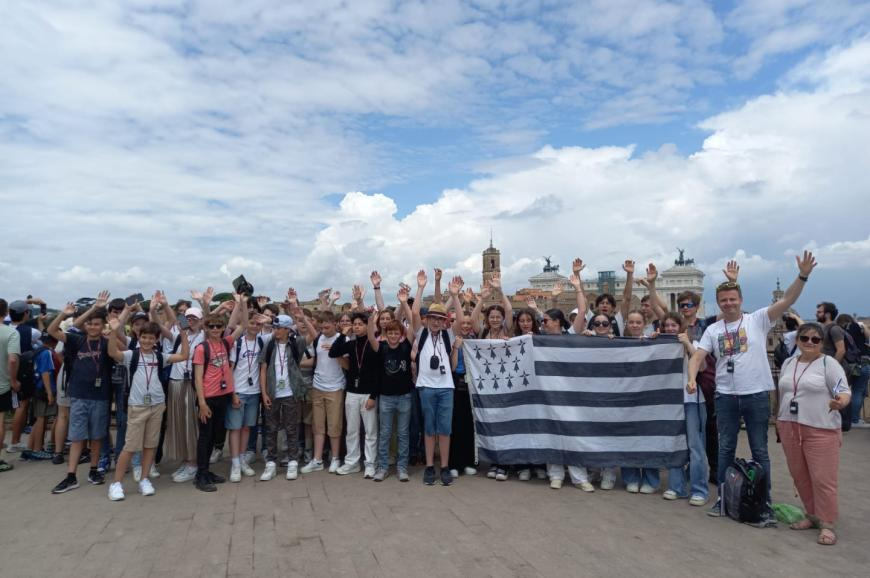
x,y
601,324
687,305
806,338
215,326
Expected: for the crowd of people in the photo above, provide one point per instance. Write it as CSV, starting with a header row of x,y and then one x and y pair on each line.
x,y
384,386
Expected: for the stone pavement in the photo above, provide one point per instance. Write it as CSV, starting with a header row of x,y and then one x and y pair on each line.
x,y
326,525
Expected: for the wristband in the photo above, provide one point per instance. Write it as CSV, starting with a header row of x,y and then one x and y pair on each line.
x,y
804,279
377,287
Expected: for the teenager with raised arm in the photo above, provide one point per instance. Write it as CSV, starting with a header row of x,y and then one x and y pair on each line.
x,y
393,360
462,454
376,286
738,343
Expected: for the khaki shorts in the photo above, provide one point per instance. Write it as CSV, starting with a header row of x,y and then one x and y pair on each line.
x,y
42,409
328,409
307,412
143,427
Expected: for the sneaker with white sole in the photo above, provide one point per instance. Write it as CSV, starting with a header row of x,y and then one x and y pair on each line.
x,y
312,466
647,489
370,472
669,495
154,473
292,470
380,475
19,447
403,475
137,473
608,479
555,484
697,500
146,488
470,471
585,486
501,475
334,464
861,424
269,472
632,488
247,470
454,473
178,471
541,473
116,491
525,475
236,473
215,455
491,472
346,469
187,474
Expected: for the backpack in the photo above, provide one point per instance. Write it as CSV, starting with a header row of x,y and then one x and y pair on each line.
x,y
781,353
291,343
744,492
424,335
26,373
27,360
134,365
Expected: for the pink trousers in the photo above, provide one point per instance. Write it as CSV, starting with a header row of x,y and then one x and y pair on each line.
x,y
813,456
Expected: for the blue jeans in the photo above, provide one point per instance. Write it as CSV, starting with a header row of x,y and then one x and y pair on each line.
x,y
646,476
859,391
696,436
755,411
437,406
388,406
121,422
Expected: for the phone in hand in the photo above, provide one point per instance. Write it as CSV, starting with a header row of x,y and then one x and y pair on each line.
x,y
134,299
182,322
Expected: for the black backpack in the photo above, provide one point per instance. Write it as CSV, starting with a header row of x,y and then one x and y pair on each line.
x,y
134,365
291,343
26,373
781,353
239,347
744,492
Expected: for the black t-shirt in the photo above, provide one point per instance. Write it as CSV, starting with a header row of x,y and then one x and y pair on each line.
x,y
395,366
364,372
90,361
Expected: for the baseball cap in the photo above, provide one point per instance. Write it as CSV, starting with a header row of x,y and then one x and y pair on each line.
x,y
193,312
139,315
283,321
19,307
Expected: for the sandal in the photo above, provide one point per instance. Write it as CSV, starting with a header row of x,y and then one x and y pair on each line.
x,y
805,524
827,537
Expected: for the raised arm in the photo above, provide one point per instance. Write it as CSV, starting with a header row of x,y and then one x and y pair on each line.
x,y
659,307
184,353
402,296
114,351
371,329
240,312
54,327
805,264
358,294
101,301
416,322
477,322
495,283
436,298
625,306
302,320
376,285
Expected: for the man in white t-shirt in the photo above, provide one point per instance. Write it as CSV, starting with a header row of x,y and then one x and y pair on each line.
x,y
327,397
738,342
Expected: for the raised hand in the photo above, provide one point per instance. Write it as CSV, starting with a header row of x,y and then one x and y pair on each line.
x,y
376,279
421,278
262,300
264,319
69,310
114,324
486,291
495,281
531,303
455,285
628,267
557,289
651,273
405,286
577,265
336,296
237,297
575,282
806,264
323,297
468,296
731,270
404,292
357,292
196,295
102,298
208,295
292,296
438,274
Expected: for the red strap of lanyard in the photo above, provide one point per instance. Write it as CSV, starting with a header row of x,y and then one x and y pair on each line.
x,y
148,374
795,378
95,360
360,360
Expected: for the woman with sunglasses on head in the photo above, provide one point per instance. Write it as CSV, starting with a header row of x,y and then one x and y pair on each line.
x,y
812,390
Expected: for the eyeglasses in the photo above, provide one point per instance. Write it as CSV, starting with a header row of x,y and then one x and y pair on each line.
x,y
806,338
215,326
601,324
688,305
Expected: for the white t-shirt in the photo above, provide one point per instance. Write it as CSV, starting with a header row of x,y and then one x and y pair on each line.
x,y
328,374
790,340
745,343
282,371
247,366
146,380
818,382
427,377
179,368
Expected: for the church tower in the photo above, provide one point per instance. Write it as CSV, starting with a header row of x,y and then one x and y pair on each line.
x,y
491,265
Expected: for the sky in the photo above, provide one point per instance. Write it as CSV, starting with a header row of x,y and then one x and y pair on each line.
x,y
175,145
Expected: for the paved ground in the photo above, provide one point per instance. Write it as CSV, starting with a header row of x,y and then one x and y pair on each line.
x,y
325,525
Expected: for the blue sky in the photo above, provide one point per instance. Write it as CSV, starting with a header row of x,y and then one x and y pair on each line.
x,y
178,145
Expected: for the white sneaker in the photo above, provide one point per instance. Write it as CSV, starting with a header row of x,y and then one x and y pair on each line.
x,y
370,472
292,470
269,472
585,486
861,424
154,473
145,487
470,471
647,489
137,473
19,447
346,469
632,488
541,473
247,470
236,473
312,466
525,475
454,474
555,484
669,495
334,465
185,475
697,500
116,491
215,455
178,471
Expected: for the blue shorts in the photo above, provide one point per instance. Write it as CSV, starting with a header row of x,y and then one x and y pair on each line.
x,y
88,419
246,414
437,406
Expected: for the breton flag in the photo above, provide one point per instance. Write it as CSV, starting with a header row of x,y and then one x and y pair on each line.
x,y
577,400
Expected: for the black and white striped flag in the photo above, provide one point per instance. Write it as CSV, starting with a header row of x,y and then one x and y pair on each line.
x,y
575,400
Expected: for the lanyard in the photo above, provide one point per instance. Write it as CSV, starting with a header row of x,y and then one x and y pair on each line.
x,y
282,354
248,357
731,338
360,360
148,374
795,378
436,338
95,360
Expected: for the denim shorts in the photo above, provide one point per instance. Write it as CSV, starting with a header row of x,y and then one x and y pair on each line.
x,y
437,406
246,414
88,419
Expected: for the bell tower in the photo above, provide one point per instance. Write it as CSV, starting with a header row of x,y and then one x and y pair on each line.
x,y
491,265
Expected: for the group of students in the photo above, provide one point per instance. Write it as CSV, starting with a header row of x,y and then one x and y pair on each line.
x,y
187,378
